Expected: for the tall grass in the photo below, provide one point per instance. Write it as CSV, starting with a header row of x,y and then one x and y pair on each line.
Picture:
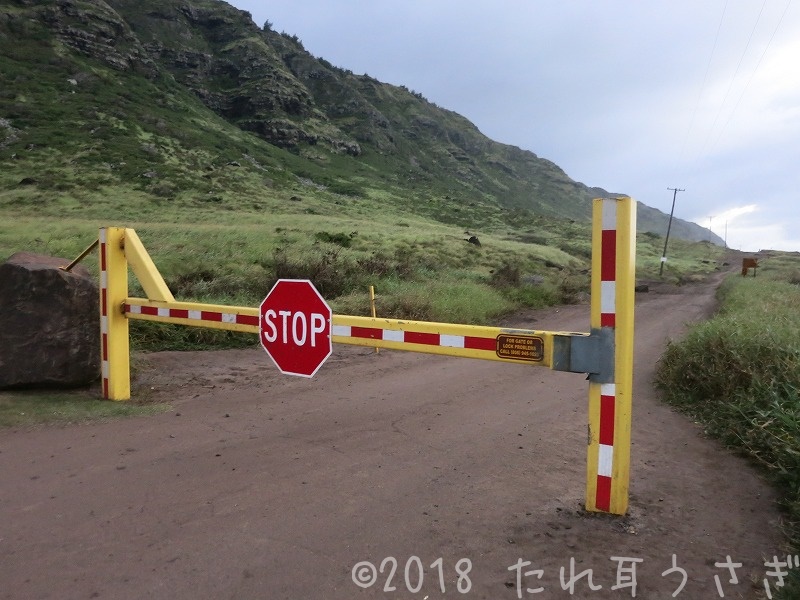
x,y
739,374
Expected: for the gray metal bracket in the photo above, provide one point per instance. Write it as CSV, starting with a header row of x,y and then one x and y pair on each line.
x,y
591,353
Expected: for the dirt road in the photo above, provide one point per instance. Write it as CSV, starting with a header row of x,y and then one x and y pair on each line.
x,y
258,485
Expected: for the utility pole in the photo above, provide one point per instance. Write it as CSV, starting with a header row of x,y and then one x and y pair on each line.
x,y
669,226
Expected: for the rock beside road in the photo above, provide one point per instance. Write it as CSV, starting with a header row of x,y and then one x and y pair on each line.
x,y
49,323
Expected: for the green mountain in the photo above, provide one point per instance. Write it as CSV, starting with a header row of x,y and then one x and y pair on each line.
x,y
188,101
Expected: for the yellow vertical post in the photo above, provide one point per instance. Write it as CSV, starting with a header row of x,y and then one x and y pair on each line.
x,y
114,343
372,306
613,281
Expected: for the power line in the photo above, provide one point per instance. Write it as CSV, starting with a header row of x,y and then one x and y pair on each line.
x,y
669,226
705,79
733,79
747,85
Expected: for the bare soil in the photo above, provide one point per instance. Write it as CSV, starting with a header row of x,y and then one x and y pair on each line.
x,y
259,485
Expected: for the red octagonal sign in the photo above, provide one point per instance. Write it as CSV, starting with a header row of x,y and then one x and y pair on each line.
x,y
295,327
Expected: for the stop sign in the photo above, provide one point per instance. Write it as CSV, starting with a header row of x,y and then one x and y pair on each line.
x,y
295,327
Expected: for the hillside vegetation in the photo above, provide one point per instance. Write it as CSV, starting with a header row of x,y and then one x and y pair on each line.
x,y
241,158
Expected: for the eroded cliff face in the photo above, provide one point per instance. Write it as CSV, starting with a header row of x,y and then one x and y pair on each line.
x,y
239,71
266,83
95,30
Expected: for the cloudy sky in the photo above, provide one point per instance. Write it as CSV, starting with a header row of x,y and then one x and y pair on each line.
x,y
631,96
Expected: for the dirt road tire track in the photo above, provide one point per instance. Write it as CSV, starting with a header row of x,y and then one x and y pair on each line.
x,y
259,485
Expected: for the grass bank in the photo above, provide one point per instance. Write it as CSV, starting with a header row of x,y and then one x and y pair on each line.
x,y
739,375
24,409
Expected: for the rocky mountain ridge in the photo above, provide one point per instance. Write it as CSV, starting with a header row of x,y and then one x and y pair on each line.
x,y
365,134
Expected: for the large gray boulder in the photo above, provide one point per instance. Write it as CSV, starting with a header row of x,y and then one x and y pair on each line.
x,y
49,323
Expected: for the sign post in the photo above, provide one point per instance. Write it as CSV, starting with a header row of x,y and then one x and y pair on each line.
x,y
295,327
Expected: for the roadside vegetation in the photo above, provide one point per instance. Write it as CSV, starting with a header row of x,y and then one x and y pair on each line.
x,y
65,407
421,269
739,375
232,254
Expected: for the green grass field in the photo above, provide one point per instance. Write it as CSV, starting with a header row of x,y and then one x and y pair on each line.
x,y
421,268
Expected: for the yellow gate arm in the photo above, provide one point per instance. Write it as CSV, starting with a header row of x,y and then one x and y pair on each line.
x,y
605,353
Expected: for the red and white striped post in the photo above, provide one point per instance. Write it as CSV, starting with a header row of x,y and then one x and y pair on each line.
x,y
114,346
613,280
